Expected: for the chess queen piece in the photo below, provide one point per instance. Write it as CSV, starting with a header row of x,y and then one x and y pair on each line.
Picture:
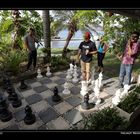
x,y
5,114
30,117
48,72
16,102
56,97
39,74
23,85
66,88
84,88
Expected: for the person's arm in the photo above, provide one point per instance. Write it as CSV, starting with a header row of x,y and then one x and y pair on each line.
x,y
106,48
94,49
26,43
79,52
131,51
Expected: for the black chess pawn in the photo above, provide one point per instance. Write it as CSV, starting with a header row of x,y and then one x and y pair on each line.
x,y
56,97
86,105
16,102
6,82
30,117
10,91
5,114
23,85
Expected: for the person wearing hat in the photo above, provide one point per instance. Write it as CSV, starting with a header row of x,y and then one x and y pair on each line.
x,y
85,51
29,42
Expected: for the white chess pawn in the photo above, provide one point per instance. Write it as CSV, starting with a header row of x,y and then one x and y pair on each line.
x,y
39,74
125,91
48,71
116,99
84,88
66,88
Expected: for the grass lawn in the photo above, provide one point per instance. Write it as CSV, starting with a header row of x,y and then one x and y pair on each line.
x,y
112,65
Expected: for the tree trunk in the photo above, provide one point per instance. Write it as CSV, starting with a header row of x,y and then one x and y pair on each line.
x,y
47,37
70,34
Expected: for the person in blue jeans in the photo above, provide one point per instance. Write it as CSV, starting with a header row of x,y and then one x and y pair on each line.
x,y
128,58
102,49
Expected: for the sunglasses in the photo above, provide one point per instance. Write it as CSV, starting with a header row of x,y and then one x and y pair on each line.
x,y
134,36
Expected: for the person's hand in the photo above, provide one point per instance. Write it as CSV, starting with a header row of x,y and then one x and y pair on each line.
x,y
87,51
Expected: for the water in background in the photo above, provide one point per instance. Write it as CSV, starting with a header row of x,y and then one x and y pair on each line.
x,y
73,44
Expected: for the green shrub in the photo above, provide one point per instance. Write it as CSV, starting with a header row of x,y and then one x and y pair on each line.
x,y
12,59
106,119
137,89
130,103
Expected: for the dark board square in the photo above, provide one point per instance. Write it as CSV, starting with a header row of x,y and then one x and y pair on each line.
x,y
48,115
33,99
62,75
19,115
22,90
74,100
75,90
52,103
30,81
73,116
40,89
45,81
60,81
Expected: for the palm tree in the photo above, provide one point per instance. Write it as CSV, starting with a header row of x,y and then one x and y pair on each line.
x,y
67,17
47,35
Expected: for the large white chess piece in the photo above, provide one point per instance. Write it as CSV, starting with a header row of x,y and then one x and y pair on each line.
x,y
48,71
84,88
39,74
116,99
100,80
75,75
92,76
138,80
71,68
69,76
97,92
66,88
125,91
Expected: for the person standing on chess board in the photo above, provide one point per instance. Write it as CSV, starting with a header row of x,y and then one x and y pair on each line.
x,y
85,51
101,51
128,58
29,42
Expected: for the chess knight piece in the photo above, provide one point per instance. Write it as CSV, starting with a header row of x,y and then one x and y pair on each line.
x,y
16,102
29,118
5,114
23,85
56,97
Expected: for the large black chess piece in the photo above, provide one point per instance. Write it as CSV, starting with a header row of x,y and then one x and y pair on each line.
x,y
6,82
16,102
5,114
29,118
86,105
23,85
10,91
56,97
